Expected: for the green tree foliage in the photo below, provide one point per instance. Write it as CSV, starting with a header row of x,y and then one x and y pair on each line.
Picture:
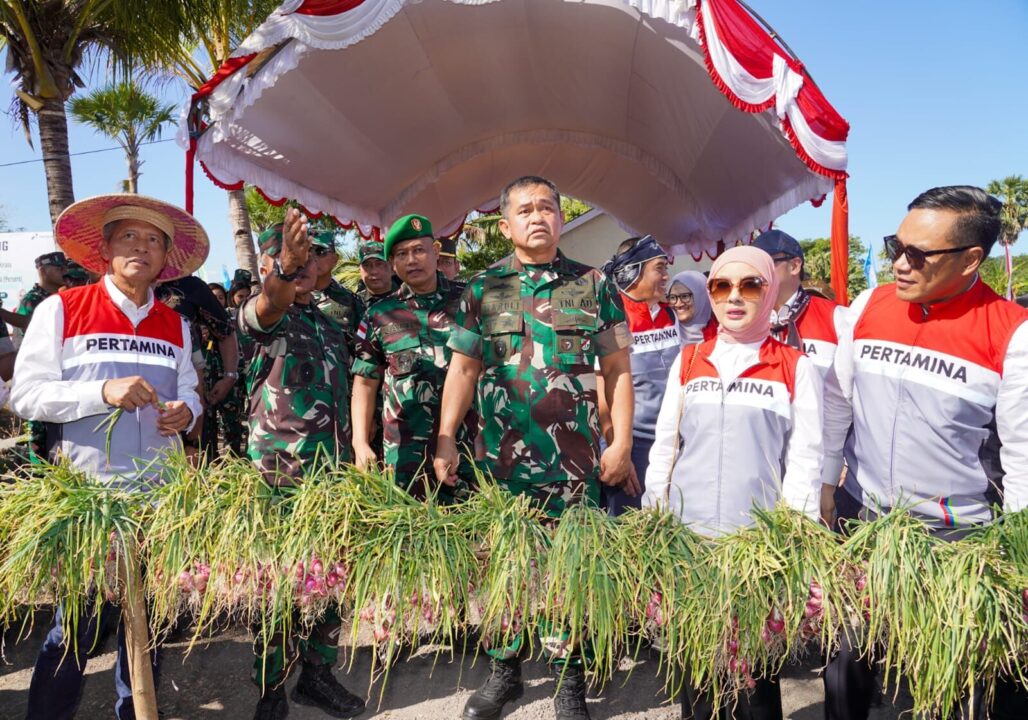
x,y
994,272
1013,191
818,264
128,115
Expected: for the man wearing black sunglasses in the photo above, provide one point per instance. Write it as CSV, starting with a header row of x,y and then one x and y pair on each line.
x,y
932,373
330,297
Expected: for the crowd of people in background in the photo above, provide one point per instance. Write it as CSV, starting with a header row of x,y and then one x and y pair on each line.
x,y
623,387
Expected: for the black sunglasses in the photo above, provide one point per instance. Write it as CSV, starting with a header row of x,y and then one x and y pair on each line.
x,y
915,256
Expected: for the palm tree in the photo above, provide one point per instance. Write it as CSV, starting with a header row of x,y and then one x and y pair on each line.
x,y
48,41
126,114
1013,191
193,55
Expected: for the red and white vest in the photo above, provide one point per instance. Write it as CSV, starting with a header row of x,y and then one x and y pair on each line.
x,y
734,439
925,385
655,345
816,326
101,344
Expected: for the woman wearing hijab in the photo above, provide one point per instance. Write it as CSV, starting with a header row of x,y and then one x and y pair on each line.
x,y
687,296
739,427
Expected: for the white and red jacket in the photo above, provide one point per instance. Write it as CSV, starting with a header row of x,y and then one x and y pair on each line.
x,y
932,392
819,326
79,339
655,345
749,434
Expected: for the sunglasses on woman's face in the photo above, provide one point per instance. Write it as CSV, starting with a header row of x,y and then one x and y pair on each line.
x,y
916,257
750,288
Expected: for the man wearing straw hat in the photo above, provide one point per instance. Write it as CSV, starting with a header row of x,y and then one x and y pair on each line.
x,y
299,421
102,346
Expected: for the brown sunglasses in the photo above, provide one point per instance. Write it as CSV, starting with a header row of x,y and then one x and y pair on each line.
x,y
916,257
750,288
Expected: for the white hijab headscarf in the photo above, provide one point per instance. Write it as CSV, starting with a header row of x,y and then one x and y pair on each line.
x,y
692,332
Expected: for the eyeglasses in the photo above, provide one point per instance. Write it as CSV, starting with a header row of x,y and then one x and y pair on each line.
x,y
750,288
915,256
321,250
675,298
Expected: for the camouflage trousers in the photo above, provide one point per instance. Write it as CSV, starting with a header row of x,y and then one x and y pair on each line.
x,y
275,659
553,499
233,421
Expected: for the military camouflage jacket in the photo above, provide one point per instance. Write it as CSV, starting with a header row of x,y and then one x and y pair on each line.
x,y
29,302
368,299
343,306
402,342
298,390
538,331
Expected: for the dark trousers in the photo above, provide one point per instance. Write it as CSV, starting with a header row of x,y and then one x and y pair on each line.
x,y
616,500
764,702
850,679
57,678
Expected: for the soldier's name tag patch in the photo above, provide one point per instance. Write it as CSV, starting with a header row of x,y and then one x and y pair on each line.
x,y
396,328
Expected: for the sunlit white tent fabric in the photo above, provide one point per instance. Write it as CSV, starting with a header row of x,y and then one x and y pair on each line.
x,y
681,119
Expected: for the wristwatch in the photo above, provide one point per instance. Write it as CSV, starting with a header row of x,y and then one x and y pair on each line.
x,y
288,277
233,375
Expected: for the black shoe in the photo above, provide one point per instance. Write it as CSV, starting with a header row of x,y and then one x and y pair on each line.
x,y
569,702
317,687
504,684
272,705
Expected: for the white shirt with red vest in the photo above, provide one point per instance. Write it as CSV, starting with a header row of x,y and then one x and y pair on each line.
x,y
749,445
931,392
655,345
79,339
819,327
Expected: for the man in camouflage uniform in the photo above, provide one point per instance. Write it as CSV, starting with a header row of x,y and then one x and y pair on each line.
x,y
401,347
333,299
528,335
234,409
299,419
75,275
51,268
377,278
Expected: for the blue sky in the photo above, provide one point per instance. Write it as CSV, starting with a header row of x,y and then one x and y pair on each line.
x,y
936,92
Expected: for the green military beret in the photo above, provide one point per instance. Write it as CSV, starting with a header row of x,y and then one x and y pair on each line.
x,y
270,241
369,249
448,247
325,239
409,227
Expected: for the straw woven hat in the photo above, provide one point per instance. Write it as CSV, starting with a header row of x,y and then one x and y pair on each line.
x,y
79,231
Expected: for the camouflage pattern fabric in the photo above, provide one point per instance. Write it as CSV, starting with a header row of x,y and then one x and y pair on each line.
x,y
299,393
538,331
343,306
234,421
37,430
378,441
402,343
275,659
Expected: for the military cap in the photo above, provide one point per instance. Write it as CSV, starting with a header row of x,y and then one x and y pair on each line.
x,y
55,259
75,271
240,279
370,249
409,227
270,241
325,239
448,247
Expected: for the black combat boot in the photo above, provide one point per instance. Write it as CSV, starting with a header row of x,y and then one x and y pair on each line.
x,y
272,705
318,688
504,684
569,702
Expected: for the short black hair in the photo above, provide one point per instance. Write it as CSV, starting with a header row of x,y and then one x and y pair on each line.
x,y
979,221
627,245
523,182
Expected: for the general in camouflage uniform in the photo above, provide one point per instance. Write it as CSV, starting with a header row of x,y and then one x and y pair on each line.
x,y
401,348
50,267
337,302
376,274
529,334
299,419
